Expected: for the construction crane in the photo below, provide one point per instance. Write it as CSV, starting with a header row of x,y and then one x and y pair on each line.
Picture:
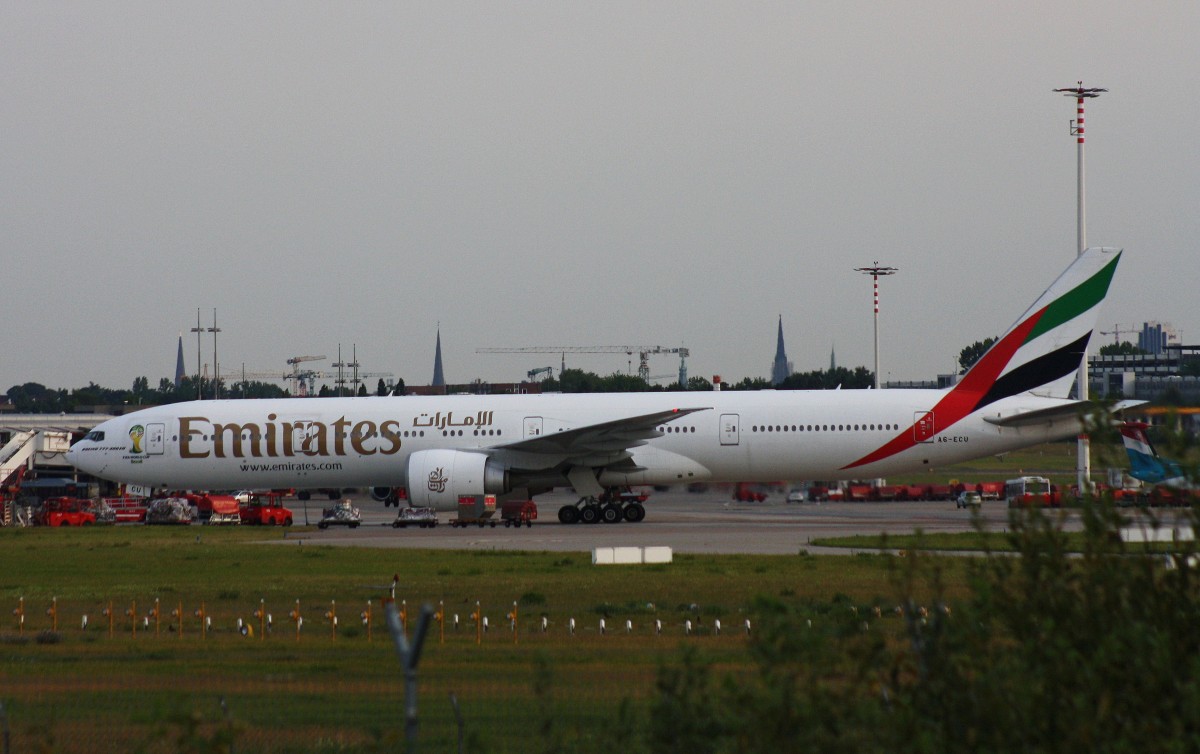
x,y
643,352
1116,332
389,379
548,371
302,379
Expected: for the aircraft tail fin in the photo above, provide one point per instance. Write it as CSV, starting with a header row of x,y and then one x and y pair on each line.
x,y
1041,352
1144,462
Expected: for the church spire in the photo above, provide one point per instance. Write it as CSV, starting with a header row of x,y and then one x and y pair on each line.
x,y
781,369
439,379
179,370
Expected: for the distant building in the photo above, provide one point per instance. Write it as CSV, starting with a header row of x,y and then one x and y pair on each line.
x,y
782,368
1145,376
1156,336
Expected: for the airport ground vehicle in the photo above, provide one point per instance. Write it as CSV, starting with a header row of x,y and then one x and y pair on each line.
x,y
264,509
746,492
127,510
223,510
475,510
9,491
169,511
341,514
65,511
424,518
968,499
1027,491
519,512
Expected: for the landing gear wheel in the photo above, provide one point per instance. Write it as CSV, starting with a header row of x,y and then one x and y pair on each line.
x,y
590,514
635,512
610,513
568,514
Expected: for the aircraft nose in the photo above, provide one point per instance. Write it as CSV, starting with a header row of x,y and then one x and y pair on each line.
x,y
79,459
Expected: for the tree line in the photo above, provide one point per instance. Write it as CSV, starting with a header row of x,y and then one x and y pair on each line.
x,y
35,398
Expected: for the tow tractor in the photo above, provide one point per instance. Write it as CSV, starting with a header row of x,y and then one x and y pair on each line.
x,y
420,517
341,514
264,508
615,504
65,511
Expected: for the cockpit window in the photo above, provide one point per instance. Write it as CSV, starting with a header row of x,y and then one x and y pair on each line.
x,y
95,435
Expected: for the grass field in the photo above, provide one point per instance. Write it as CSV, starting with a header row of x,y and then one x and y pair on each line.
x,y
332,689
159,690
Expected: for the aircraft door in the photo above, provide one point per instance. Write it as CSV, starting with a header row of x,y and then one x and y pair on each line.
x,y
923,426
155,439
729,429
533,427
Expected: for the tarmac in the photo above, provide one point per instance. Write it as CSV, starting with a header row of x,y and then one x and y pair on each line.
x,y
686,522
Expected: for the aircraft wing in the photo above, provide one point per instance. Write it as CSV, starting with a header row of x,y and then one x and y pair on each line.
x,y
606,437
1053,413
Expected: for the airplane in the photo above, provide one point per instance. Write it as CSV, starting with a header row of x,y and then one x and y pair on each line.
x,y
441,448
1146,465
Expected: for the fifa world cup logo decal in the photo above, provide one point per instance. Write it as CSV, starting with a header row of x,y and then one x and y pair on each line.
x,y
136,433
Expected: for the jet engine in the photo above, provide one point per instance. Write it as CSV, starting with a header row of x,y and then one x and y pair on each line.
x,y
436,478
388,495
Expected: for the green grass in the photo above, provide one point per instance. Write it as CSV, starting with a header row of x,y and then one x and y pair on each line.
x,y
340,692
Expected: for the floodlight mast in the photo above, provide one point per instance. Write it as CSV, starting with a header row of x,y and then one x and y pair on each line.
x,y
875,273
1080,93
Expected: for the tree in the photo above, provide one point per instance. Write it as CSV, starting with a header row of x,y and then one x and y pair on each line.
x,y
829,379
256,389
35,398
970,354
751,383
381,388
1124,348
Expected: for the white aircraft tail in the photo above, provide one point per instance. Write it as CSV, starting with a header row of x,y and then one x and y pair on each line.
x,y
1041,352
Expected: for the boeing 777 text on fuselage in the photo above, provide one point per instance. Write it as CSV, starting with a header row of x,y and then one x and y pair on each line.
x,y
444,447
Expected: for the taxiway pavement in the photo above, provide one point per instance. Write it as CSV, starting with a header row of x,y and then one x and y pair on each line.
x,y
685,522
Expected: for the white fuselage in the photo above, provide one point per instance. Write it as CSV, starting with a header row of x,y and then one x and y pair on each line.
x,y
738,436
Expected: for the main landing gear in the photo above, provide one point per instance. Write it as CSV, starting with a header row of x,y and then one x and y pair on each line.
x,y
613,506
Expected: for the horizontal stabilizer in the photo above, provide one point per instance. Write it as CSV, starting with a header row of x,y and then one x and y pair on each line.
x,y
1040,416
1054,413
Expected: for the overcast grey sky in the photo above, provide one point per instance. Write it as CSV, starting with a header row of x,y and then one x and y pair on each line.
x,y
565,173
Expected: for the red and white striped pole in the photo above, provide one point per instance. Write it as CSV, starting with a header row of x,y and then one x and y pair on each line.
x,y
1081,199
875,272
1083,451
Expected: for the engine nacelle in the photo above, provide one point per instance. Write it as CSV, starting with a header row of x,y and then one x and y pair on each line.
x,y
382,494
436,478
